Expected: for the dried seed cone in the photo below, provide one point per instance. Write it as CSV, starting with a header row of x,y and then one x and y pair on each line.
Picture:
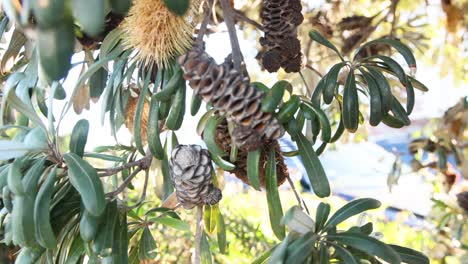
x,y
191,170
280,20
223,140
158,34
130,116
229,93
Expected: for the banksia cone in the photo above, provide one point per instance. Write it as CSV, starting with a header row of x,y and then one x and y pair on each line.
x,y
191,172
158,34
354,22
223,140
130,110
280,20
229,93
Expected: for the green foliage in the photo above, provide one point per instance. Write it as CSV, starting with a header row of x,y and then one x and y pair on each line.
x,y
59,201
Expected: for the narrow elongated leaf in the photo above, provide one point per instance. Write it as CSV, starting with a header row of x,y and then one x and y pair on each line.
x,y
409,255
86,181
392,121
137,128
350,104
195,104
104,241
206,257
221,232
79,137
274,96
288,109
298,221
147,245
301,248
176,114
120,246
172,222
97,83
375,99
44,234
12,149
399,112
210,215
345,255
209,136
367,244
253,159
351,209
153,133
330,83
23,220
418,85
29,255
322,117
315,171
90,15
274,203
89,225
317,94
404,50
76,251
324,255
31,179
278,253
321,216
315,35
15,176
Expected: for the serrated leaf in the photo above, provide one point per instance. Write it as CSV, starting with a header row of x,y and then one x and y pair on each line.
x,y
274,203
86,181
367,244
315,171
351,209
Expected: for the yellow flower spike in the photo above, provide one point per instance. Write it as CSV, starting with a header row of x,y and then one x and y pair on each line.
x,y
158,34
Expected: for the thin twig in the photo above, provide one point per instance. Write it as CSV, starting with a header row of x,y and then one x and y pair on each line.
x,y
206,19
298,197
198,235
241,16
308,66
124,184
229,20
141,163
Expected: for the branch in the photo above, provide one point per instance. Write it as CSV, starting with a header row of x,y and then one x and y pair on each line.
x,y
308,66
143,195
241,16
298,197
229,20
207,9
198,234
124,184
142,164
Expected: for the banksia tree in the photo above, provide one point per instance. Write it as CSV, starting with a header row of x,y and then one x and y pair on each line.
x,y
68,203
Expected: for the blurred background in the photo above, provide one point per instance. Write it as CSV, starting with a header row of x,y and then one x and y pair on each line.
x,y
419,173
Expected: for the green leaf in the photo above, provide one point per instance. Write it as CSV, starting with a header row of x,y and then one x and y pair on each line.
x,y
22,218
176,114
264,256
36,139
322,117
55,46
89,225
178,7
330,82
120,246
345,255
279,252
103,243
31,179
15,176
76,250
315,35
400,47
29,255
367,244
109,44
274,203
288,109
351,209
301,248
321,216
44,234
221,233
253,159
411,256
172,86
120,7
399,112
97,83
86,181
324,255
50,13
153,133
210,215
315,171
12,149
89,14
172,222
375,99
195,104
209,136
205,250
79,137
392,121
274,96
147,245
104,157
350,103
137,127
417,84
